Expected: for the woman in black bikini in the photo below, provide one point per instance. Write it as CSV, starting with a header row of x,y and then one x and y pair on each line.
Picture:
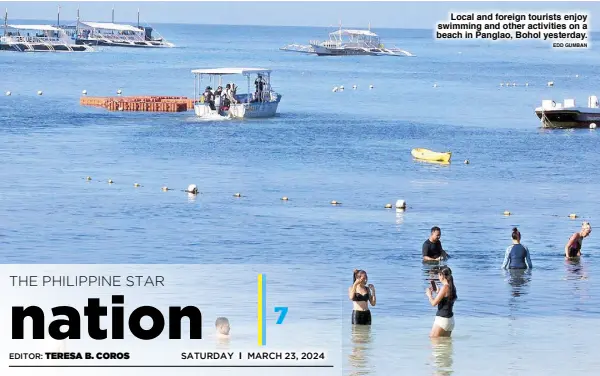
x,y
573,247
361,295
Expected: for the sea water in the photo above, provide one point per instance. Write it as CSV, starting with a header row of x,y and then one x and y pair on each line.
x,y
352,147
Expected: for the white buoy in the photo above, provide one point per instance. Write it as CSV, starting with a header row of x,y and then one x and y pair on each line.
x,y
8,93
342,88
192,189
371,86
501,84
435,85
576,76
40,92
119,92
550,83
335,89
593,126
84,92
514,84
354,87
400,204
507,84
526,83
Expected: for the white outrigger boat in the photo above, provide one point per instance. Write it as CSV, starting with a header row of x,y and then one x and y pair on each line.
x,y
111,34
37,38
262,103
345,42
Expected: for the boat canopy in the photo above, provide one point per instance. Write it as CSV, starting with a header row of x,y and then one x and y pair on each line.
x,y
354,32
223,71
33,27
110,26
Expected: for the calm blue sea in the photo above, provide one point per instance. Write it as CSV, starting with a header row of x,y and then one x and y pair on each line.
x,y
351,146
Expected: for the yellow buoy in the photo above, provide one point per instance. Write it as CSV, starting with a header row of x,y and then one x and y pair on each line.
x,y
335,202
136,185
284,198
88,178
164,189
572,215
400,204
237,195
388,206
110,181
506,212
39,92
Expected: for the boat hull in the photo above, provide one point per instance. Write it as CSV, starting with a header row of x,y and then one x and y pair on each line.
x,y
104,43
568,118
37,47
324,51
239,111
431,156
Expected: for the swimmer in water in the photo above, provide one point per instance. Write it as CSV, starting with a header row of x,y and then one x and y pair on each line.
x,y
573,247
361,295
432,248
223,328
444,300
517,255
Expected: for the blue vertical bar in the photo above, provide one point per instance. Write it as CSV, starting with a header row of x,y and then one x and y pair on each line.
x,y
264,309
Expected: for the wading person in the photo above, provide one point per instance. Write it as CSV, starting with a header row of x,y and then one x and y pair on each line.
x,y
573,247
361,295
517,255
432,248
444,300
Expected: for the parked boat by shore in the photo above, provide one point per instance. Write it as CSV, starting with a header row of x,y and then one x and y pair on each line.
x,y
224,102
431,156
345,42
111,34
568,114
37,38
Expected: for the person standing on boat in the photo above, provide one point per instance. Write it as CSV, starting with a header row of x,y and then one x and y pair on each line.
x,y
573,247
260,85
517,255
361,295
432,248
444,300
218,97
209,97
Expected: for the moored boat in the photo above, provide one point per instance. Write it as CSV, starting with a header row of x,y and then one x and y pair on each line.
x,y
432,156
568,114
37,38
344,42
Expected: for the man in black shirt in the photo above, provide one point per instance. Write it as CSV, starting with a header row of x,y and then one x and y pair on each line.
x,y
432,248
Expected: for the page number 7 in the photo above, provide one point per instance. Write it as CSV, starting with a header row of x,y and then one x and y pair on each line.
x,y
284,311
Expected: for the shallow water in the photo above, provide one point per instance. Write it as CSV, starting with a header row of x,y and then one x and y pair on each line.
x,y
353,147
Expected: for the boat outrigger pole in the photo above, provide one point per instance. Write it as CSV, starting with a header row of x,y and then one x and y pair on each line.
x,y
113,15
138,18
58,17
5,20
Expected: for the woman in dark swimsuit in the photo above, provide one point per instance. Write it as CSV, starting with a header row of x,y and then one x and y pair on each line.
x,y
361,295
573,247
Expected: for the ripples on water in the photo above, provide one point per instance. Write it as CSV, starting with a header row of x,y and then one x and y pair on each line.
x,y
353,147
